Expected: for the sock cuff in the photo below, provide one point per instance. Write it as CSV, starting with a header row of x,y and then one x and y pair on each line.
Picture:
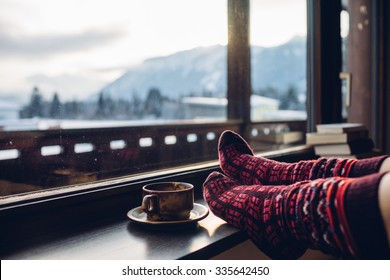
x,y
367,166
364,218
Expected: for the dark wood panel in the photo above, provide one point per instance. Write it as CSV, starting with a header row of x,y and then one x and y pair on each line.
x,y
384,129
324,62
360,63
238,62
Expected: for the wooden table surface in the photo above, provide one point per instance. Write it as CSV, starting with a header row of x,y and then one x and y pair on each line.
x,y
125,239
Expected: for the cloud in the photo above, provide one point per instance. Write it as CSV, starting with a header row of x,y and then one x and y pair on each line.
x,y
44,45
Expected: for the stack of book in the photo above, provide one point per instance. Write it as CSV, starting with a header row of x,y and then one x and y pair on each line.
x,y
348,140
268,140
284,137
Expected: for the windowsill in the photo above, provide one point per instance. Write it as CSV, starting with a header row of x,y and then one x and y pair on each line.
x,y
92,223
125,240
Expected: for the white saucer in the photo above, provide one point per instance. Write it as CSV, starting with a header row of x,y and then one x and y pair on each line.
x,y
198,213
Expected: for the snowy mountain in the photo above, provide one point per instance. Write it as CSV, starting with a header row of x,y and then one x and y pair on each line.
x,y
202,71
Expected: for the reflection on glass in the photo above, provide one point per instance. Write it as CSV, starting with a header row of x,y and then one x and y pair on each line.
x,y
344,32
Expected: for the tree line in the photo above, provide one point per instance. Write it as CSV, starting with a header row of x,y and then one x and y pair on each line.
x,y
288,99
154,106
104,107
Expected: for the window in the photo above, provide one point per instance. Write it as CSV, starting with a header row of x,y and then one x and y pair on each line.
x,y
278,59
90,93
120,89
346,78
278,71
120,60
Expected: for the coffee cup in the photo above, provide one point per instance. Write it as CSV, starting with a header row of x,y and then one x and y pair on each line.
x,y
168,201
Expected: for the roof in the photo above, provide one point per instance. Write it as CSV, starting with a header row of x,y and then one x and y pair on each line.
x,y
256,100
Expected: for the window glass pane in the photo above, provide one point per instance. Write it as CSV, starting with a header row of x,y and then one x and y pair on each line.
x,y
344,32
278,59
121,59
87,85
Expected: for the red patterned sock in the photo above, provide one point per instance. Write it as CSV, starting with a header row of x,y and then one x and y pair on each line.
x,y
254,209
339,216
237,160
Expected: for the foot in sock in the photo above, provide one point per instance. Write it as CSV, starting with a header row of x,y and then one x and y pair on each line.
x,y
338,216
249,208
237,160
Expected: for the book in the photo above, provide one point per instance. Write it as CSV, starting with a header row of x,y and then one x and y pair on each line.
x,y
353,147
368,154
317,138
339,127
281,138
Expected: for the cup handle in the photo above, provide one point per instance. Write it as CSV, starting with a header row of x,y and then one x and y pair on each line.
x,y
150,204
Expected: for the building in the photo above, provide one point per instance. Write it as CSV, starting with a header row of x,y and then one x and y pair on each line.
x,y
213,107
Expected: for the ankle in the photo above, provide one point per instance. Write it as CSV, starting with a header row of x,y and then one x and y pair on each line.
x,y
385,166
384,202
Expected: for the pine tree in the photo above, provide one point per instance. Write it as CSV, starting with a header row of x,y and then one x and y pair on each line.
x,y
36,105
100,111
55,111
290,100
153,103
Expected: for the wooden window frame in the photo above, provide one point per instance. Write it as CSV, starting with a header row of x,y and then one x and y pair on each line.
x,y
109,199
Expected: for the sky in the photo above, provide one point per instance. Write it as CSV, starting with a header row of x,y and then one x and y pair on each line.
x,y
75,47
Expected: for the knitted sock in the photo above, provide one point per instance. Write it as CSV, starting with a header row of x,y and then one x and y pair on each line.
x,y
254,209
339,216
237,160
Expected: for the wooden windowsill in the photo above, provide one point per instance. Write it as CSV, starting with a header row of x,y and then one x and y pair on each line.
x,y
92,224
124,239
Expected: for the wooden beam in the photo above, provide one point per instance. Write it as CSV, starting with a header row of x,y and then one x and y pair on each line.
x,y
238,61
324,62
384,58
360,63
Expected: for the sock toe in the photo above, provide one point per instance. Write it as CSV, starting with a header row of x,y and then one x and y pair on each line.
x,y
242,207
214,188
229,137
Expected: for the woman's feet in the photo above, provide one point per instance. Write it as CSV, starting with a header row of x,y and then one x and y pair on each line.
x,y
339,216
287,207
256,210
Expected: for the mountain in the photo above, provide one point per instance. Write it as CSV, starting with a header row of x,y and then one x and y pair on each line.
x,y
280,67
203,70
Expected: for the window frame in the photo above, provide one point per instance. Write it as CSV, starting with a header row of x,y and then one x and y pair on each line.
x,y
110,199
89,204
323,62
238,75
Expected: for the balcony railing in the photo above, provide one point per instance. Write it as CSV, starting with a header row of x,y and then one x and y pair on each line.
x,y
41,159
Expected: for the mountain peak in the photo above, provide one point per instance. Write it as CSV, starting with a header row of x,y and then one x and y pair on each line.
x,y
201,71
